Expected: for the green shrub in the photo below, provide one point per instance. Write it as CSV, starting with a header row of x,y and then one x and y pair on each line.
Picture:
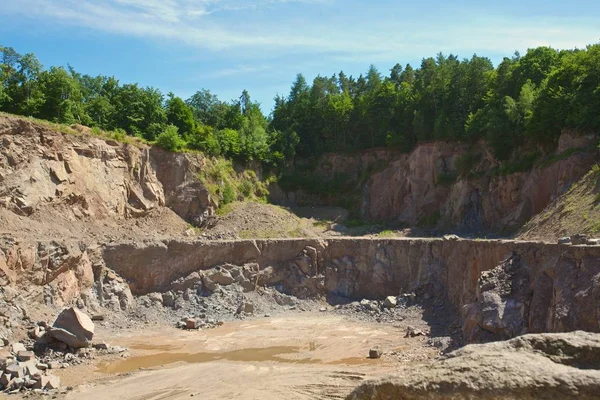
x,y
525,163
170,139
246,188
154,130
229,194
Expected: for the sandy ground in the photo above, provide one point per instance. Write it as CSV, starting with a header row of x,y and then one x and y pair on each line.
x,y
297,356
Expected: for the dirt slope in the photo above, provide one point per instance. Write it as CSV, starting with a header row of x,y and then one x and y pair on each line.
x,y
255,220
576,211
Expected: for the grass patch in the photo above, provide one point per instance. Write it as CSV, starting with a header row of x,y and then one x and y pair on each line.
x,y
386,233
118,135
321,224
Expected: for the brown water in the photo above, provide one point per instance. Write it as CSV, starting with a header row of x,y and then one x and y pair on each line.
x,y
277,354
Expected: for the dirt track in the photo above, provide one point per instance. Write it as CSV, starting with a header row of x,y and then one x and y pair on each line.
x,y
295,356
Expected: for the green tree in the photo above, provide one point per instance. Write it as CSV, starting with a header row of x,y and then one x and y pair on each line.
x,y
180,115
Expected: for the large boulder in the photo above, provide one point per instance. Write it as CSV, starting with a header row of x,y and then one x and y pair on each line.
x,y
539,366
74,328
221,276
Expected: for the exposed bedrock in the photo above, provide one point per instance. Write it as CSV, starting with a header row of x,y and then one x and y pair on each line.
x,y
408,190
538,366
501,288
422,187
62,181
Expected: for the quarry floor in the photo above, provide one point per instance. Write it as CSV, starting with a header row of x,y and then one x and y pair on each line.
x,y
312,355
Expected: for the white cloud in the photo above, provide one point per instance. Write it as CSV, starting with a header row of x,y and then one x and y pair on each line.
x,y
202,23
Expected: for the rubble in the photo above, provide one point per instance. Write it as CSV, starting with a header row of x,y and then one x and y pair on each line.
x,y
23,371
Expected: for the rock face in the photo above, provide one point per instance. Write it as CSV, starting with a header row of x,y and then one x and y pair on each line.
x,y
75,186
184,193
74,328
94,177
410,188
504,288
541,366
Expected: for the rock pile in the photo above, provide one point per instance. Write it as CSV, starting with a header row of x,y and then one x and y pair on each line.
x,y
23,371
67,342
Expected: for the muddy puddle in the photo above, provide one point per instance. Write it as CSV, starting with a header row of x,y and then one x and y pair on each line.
x,y
280,354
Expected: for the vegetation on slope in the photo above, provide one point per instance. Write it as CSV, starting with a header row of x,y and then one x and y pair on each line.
x,y
576,211
226,185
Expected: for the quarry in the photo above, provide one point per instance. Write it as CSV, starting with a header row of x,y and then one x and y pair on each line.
x,y
478,292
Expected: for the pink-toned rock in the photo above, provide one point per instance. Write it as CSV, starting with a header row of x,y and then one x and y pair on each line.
x,y
74,328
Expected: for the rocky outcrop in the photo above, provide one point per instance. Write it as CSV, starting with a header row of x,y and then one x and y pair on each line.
x,y
95,178
421,188
502,303
55,274
542,366
185,194
503,288
81,185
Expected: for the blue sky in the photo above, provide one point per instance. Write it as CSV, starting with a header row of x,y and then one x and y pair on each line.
x,y
260,45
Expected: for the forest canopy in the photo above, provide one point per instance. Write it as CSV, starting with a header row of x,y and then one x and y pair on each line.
x,y
523,100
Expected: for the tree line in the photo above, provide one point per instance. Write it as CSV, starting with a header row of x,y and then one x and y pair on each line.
x,y
523,100
236,129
